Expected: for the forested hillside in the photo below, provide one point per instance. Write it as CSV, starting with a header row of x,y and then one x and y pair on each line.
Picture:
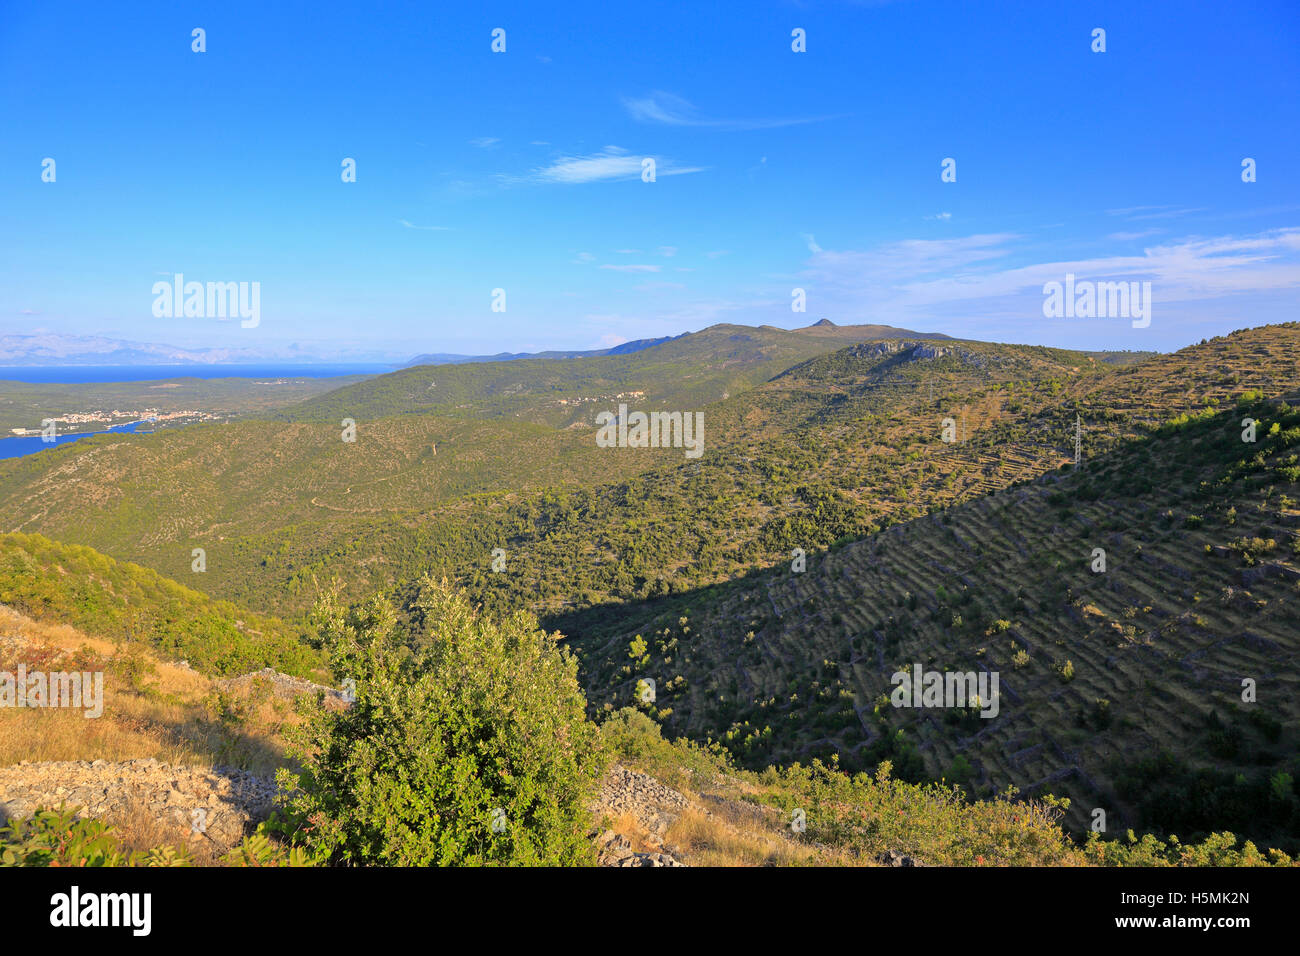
x,y
858,510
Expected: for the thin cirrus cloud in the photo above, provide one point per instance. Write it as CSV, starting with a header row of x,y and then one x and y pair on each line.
x,y
1136,213
666,109
630,268
410,225
1130,236
611,163
930,277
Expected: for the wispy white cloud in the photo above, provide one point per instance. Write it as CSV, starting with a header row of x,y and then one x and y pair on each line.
x,y
1130,236
1136,213
934,277
812,243
945,216
990,286
630,268
610,163
485,142
411,225
668,251
668,109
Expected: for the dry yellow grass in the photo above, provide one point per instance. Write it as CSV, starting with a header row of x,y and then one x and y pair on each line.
x,y
138,829
151,708
700,839
725,826
629,827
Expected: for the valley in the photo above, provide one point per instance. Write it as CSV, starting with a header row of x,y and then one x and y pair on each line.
x,y
827,537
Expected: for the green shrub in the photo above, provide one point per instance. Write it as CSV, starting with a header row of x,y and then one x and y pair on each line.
x,y
472,749
960,771
61,838
58,838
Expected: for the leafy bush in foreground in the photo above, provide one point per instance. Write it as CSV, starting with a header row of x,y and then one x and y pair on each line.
x,y
61,838
471,749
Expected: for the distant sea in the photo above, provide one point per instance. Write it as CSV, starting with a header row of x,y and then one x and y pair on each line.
x,y
31,444
77,374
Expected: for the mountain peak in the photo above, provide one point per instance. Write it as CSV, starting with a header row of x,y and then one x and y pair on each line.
x,y
823,324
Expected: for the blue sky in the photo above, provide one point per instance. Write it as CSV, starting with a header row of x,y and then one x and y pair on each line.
x,y
522,170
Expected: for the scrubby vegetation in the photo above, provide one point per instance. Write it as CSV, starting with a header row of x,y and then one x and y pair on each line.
x,y
115,599
61,838
855,818
784,666
1142,608
467,743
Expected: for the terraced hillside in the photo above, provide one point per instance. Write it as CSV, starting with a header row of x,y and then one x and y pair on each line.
x,y
837,448
1121,688
173,741
1118,688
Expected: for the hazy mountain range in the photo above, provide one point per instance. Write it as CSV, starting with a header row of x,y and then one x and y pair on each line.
x,y
57,349
52,348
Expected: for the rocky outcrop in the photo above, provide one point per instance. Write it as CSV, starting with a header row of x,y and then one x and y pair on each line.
x,y
914,351
894,858
219,803
651,805
283,685
615,850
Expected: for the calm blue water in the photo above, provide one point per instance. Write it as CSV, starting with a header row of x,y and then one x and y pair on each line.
x,y
75,374
30,445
